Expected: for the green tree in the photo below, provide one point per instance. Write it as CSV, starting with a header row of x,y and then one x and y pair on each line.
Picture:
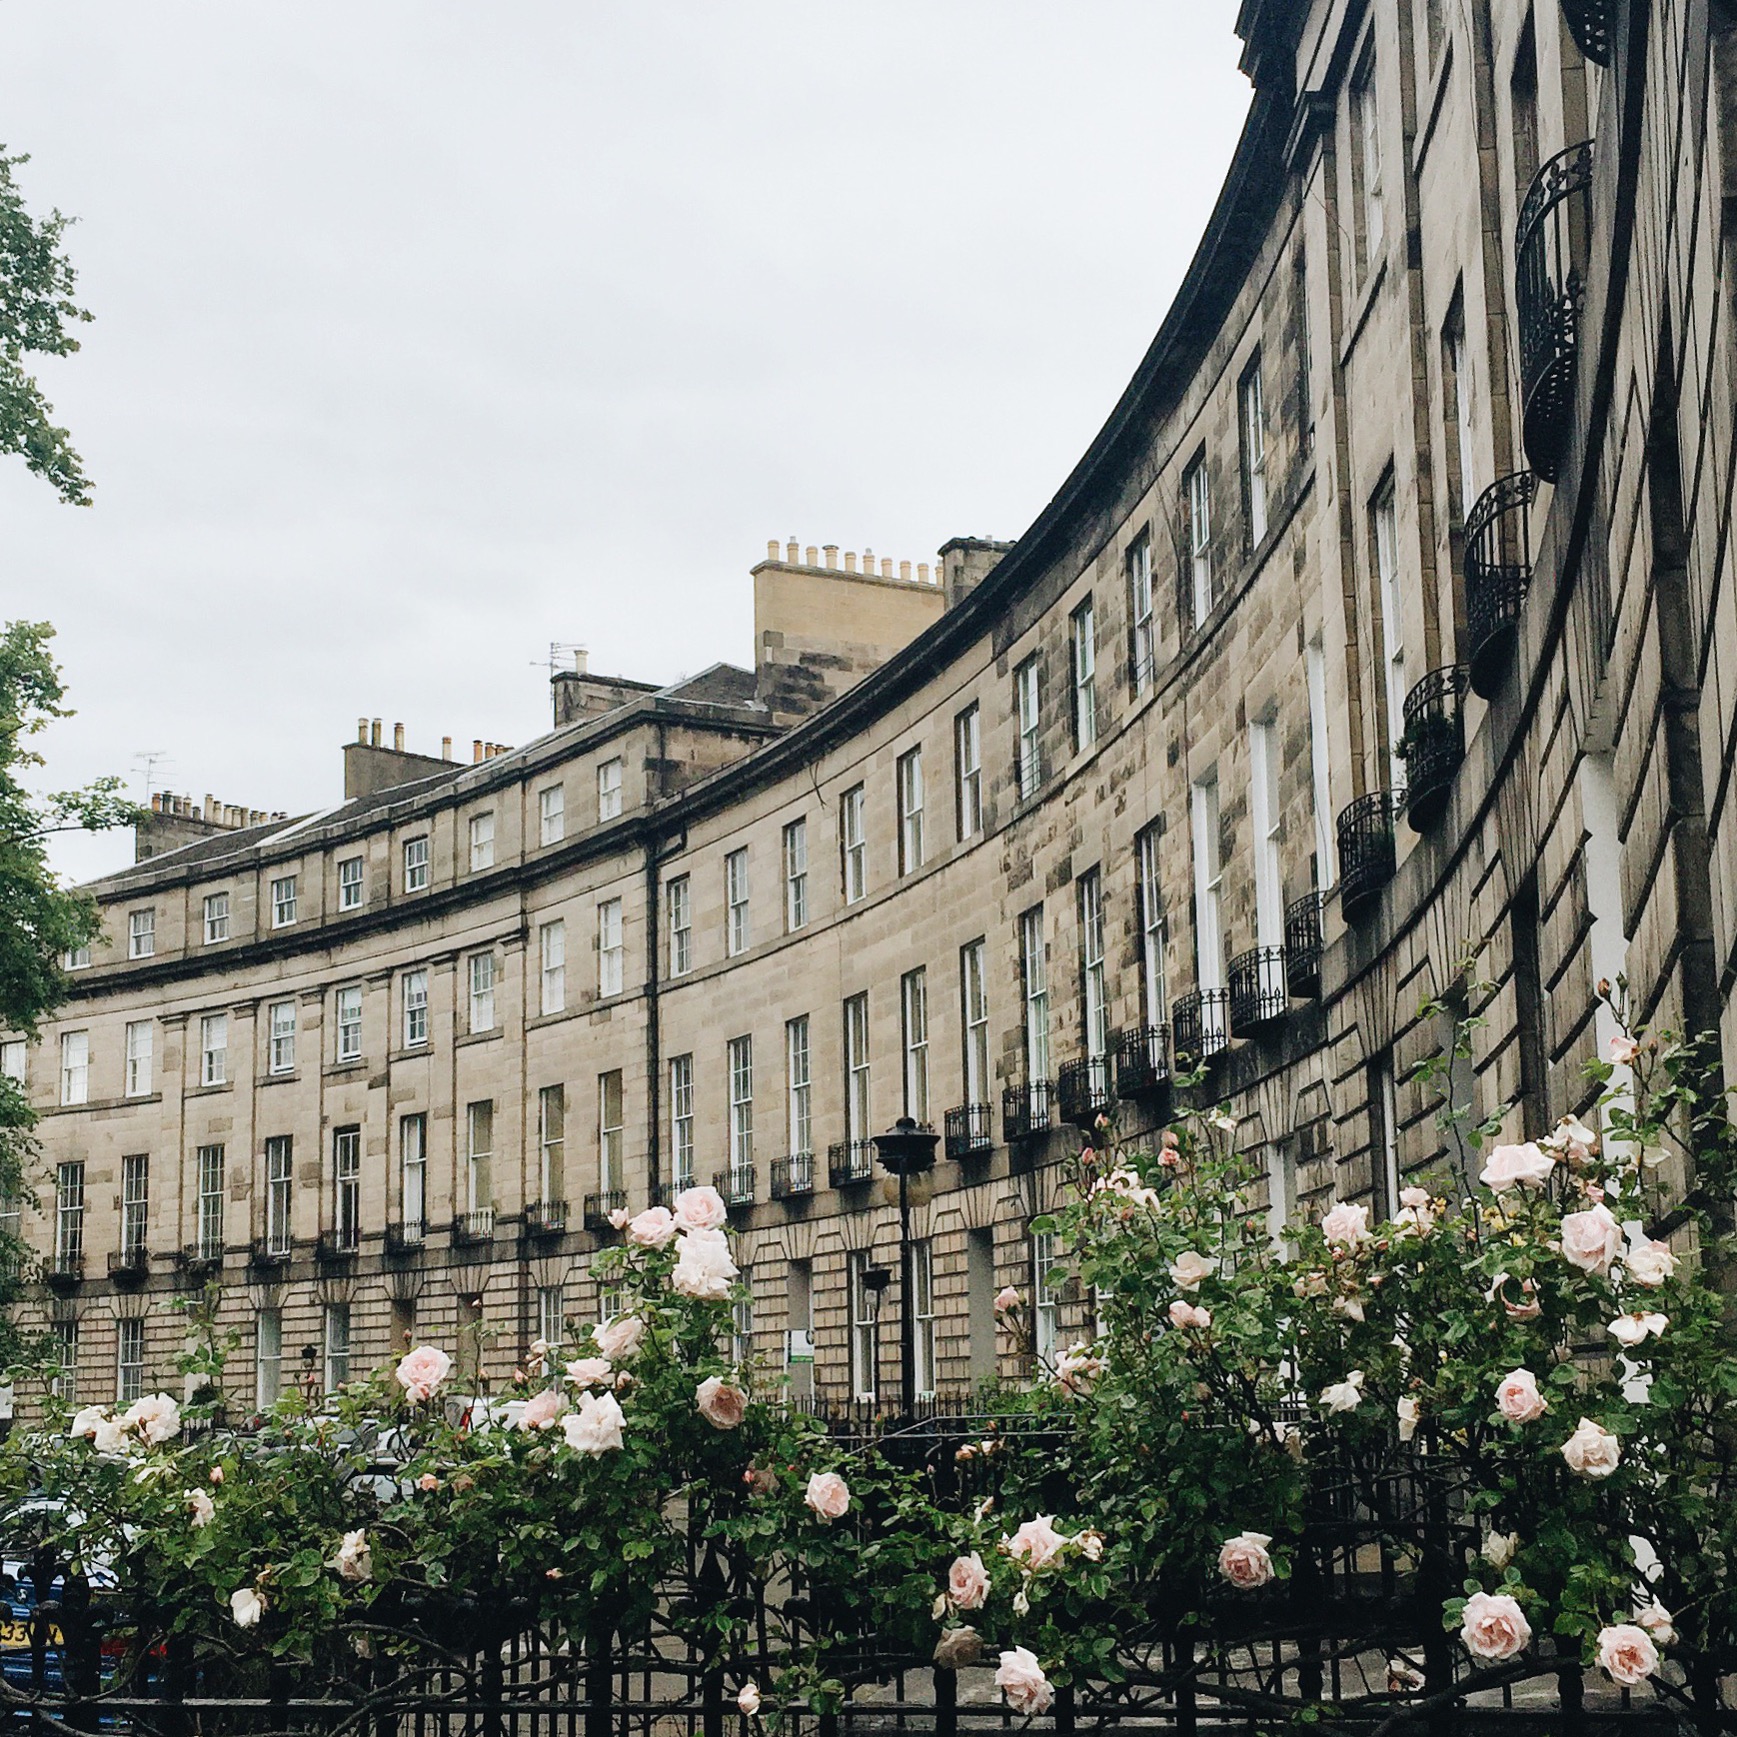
x,y
37,316
40,920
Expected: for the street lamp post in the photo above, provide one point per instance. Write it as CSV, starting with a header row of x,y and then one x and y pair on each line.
x,y
907,1149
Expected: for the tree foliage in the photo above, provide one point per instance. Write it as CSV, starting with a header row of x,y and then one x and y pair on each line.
x,y
37,318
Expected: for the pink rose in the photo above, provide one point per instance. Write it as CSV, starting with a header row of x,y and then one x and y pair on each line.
x,y
1076,1370
653,1228
1591,1239
1523,1306
1592,1451
1346,1225
1244,1561
1524,1166
421,1371
428,1481
1658,1622
1021,1681
704,1269
1005,1299
700,1209
828,1495
721,1405
1035,1544
595,1428
542,1410
1627,1652
1649,1263
1634,1329
968,1583
1188,1269
619,1339
748,1698
1518,1398
1184,1314
1494,1626
591,1372
618,1219
1623,1050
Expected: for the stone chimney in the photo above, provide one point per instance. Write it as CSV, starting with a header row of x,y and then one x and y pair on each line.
x,y
966,562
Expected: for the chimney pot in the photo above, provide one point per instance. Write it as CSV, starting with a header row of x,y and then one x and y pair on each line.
x,y
362,730
475,751
811,556
922,572
398,738
791,552
374,733
850,560
886,566
830,550
581,660
905,571
446,747
771,548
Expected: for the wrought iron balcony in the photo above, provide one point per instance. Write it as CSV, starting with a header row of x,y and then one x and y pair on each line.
x,y
1200,1027
63,1270
1589,22
1083,1090
545,1218
1303,946
736,1184
477,1225
1142,1061
1259,992
969,1131
793,1177
1025,1109
1552,242
337,1248
269,1253
1367,852
405,1236
850,1163
598,1207
128,1266
1433,744
1498,566
199,1261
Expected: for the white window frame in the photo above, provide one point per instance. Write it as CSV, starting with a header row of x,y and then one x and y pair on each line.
x,y
1366,119
968,771
129,1359
336,1338
279,1181
413,1176
796,874
740,1056
281,1037
681,926
1263,778
1083,666
609,790
551,1141
1154,931
135,1203
416,864
1197,482
552,966
352,879
267,1358
611,953
1140,611
69,1212
974,1018
1093,979
141,1045
1028,712
480,984
415,1000
347,1187
14,1060
1208,884
479,1151
77,958
552,1315
551,814
1034,987
858,1078
1315,672
909,770
347,1017
914,1033
142,933
209,1168
611,1120
1384,541
214,1049
681,1120
1045,1301
799,1083
216,918
853,843
737,929
1252,432
922,1271
283,901
482,841
864,1328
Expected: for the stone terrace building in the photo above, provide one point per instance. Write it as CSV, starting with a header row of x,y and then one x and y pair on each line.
x,y
1386,622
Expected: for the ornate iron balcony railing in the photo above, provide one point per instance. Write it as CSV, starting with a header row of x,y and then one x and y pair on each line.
x,y
969,1131
545,1218
477,1225
1303,946
1433,743
1498,568
1083,1090
406,1236
597,1208
850,1163
1200,1027
1026,1109
1142,1061
1368,854
1259,994
128,1266
793,1177
736,1184
1551,244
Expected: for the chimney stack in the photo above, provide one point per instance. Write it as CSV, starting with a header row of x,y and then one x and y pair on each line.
x,y
362,731
397,738
446,747
374,734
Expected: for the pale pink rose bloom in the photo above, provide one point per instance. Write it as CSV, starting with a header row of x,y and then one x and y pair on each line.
x,y
1414,1197
704,1269
1006,1298
354,1561
828,1495
1592,1452
1410,1414
156,1417
1627,1652
1623,1050
700,1209
542,1410
421,1371
1035,1543
595,1428
1184,1314
591,1371
1658,1622
1631,1330
1500,1547
1524,1166
1649,1263
653,1228
721,1405
1022,1683
1344,1395
1077,1369
619,1339
1188,1269
748,1698
428,1481
247,1606
1518,1398
217,1474
200,1507
1494,1626
618,1218
1244,1561
1346,1225
1591,1240
968,1583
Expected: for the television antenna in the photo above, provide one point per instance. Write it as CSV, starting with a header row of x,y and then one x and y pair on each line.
x,y
564,654
146,763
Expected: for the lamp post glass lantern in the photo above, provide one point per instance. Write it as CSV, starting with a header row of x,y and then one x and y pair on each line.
x,y
907,1149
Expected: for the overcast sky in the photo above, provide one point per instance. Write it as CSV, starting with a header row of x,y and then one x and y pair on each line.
x,y
430,333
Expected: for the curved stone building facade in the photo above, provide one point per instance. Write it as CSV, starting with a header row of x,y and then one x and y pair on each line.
x,y
1384,625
